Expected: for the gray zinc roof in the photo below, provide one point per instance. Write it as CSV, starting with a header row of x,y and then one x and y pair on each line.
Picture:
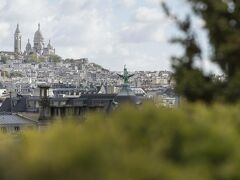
x,y
13,119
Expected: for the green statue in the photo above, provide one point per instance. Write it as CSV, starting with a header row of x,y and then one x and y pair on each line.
x,y
126,76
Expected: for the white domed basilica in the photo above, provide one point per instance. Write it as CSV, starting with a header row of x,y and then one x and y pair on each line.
x,y
38,41
38,47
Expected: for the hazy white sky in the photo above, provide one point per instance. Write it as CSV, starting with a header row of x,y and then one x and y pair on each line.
x,y
109,32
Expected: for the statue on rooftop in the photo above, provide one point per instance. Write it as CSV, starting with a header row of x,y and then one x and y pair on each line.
x,y
126,76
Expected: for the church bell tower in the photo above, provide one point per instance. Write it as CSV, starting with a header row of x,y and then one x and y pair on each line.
x,y
18,41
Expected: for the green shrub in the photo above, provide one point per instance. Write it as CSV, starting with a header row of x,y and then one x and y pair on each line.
x,y
192,142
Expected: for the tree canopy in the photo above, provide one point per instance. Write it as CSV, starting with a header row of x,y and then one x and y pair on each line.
x,y
222,22
191,142
4,59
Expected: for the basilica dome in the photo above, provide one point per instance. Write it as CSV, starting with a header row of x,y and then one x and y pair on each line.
x,y
28,46
49,46
38,37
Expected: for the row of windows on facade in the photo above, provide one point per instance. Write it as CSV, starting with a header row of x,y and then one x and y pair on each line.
x,y
5,130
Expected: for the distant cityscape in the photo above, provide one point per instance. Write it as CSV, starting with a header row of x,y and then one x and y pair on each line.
x,y
38,84
23,70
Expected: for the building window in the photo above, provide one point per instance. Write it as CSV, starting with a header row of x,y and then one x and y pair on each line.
x,y
17,128
62,103
3,129
31,104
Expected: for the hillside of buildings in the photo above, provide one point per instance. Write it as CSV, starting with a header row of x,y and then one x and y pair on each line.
x,y
22,77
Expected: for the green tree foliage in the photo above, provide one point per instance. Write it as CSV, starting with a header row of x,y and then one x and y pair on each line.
x,y
55,58
192,142
41,59
222,19
16,74
5,74
4,59
223,24
33,58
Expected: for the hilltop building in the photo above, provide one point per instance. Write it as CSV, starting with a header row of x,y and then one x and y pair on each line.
x,y
38,47
17,41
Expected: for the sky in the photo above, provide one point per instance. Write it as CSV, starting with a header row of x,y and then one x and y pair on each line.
x,y
111,33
